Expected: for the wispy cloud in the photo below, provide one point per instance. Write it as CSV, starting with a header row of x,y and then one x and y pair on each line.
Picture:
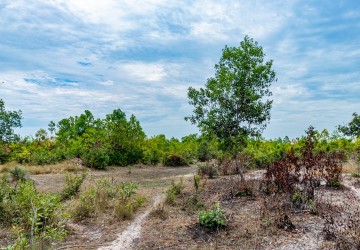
x,y
59,57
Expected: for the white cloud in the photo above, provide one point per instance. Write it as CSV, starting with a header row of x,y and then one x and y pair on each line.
x,y
107,83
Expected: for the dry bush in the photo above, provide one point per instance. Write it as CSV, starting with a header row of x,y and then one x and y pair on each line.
x,y
159,212
300,175
233,166
209,169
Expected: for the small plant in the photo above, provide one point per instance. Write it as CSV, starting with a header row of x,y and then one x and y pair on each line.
x,y
123,211
106,196
72,185
212,219
173,191
355,175
18,174
196,183
245,189
210,169
159,212
85,207
127,190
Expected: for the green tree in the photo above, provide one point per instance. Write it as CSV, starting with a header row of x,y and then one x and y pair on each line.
x,y
353,128
8,121
233,105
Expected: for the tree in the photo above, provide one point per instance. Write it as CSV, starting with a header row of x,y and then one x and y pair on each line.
x,y
8,121
353,128
233,105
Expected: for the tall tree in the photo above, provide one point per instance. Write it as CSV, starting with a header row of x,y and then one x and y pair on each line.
x,y
353,128
8,121
234,105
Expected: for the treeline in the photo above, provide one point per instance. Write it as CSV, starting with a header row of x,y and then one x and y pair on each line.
x,y
112,141
118,141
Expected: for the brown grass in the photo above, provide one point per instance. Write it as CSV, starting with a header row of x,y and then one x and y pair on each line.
x,y
351,167
73,165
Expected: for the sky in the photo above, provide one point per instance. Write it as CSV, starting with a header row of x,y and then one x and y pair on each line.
x,y
61,57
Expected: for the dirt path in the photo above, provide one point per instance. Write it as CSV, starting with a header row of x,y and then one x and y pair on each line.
x,y
126,239
349,183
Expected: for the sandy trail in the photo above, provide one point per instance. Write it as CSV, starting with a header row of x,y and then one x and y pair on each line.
x,y
127,238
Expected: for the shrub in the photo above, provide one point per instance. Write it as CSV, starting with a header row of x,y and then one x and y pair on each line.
x,y
305,170
86,206
174,160
105,196
173,191
123,211
5,153
96,158
212,219
127,190
18,174
72,185
34,214
210,169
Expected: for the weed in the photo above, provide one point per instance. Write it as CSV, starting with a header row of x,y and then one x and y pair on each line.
x,y
159,212
355,175
212,219
106,196
18,174
34,215
123,211
72,185
173,191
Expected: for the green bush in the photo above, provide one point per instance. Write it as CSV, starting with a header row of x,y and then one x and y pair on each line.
x,y
18,174
105,196
96,159
32,213
5,153
174,160
173,191
72,185
212,219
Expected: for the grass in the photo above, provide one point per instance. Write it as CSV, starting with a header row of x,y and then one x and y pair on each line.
x,y
350,168
66,166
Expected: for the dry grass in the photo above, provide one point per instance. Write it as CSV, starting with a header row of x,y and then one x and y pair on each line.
x,y
254,221
73,165
351,167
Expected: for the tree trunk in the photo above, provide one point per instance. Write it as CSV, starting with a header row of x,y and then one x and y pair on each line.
x,y
239,168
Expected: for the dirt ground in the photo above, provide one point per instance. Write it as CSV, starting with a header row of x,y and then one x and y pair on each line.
x,y
98,232
251,225
250,221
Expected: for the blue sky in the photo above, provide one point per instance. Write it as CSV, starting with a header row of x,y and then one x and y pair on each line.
x,y
60,57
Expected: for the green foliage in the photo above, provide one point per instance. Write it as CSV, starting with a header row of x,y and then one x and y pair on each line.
x,y
232,105
32,213
127,190
8,121
173,191
18,174
212,219
174,160
353,127
72,185
106,196
96,158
